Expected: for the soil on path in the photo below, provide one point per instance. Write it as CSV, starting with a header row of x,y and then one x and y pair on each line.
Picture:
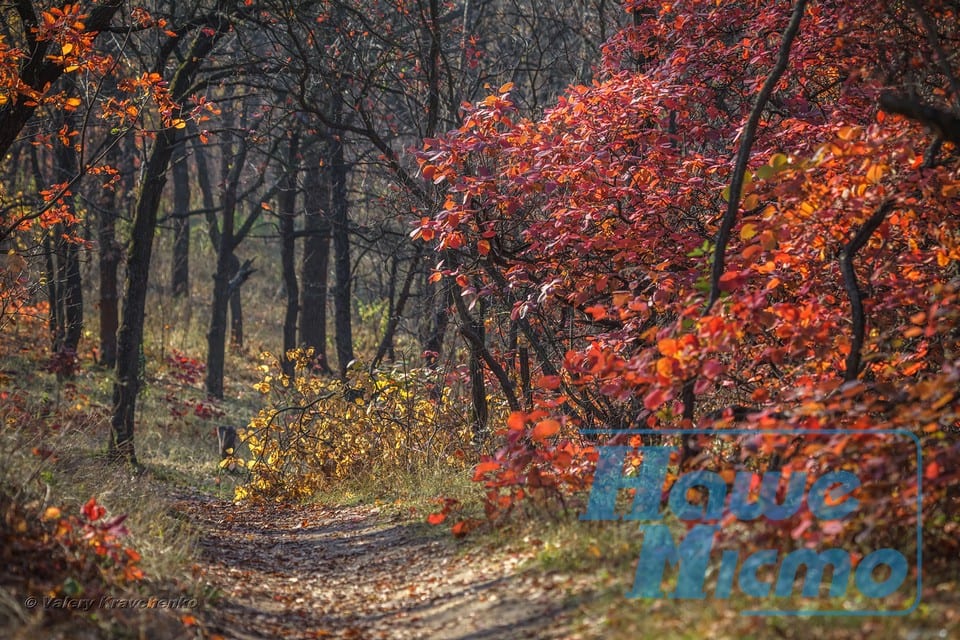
x,y
313,571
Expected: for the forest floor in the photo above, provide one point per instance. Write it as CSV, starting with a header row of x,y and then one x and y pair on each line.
x,y
313,571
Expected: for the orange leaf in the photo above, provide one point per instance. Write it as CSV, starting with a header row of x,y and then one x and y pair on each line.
x,y
667,346
484,468
517,420
932,471
549,382
596,312
545,429
436,518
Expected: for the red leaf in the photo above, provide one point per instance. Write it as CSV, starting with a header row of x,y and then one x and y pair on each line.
x,y
92,510
654,399
436,518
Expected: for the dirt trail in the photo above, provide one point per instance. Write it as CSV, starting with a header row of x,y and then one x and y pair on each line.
x,y
351,572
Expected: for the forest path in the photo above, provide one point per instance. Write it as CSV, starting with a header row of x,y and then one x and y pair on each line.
x,y
313,571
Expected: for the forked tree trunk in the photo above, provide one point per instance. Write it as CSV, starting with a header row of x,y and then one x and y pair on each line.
x,y
225,244
130,336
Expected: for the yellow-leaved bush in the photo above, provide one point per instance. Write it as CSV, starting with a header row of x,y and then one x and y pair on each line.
x,y
315,429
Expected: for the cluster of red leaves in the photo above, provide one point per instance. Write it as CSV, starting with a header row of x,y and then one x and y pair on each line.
x,y
188,371
183,368
56,554
598,221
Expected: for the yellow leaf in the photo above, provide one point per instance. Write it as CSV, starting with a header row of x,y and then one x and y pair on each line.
x,y
52,513
67,48
876,172
179,124
848,133
768,240
748,231
73,102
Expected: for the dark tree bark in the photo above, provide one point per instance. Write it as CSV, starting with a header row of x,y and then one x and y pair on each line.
x,y
436,303
397,307
180,275
65,287
70,289
342,317
236,307
54,324
287,211
225,242
316,262
130,336
109,256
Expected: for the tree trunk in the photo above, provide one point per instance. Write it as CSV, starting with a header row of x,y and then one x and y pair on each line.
x,y
130,335
70,290
180,275
397,307
236,308
225,244
287,211
316,263
109,260
435,316
342,319
66,290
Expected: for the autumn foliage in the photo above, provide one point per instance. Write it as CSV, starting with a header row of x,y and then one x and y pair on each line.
x,y
598,226
315,429
67,553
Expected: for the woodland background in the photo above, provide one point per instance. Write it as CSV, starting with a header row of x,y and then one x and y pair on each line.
x,y
414,248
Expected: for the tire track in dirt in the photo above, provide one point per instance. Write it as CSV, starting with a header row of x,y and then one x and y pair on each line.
x,y
312,571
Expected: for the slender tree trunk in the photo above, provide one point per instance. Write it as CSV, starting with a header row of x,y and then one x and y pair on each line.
x,y
180,276
316,263
109,260
397,308
54,323
287,211
436,309
70,290
217,334
130,335
342,318
236,307
66,307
